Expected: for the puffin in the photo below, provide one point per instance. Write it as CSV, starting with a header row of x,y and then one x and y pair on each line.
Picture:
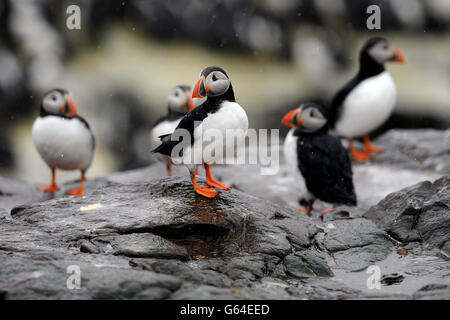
x,y
63,139
317,159
219,114
368,99
179,102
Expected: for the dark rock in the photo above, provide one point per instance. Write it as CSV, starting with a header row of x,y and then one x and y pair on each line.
x,y
145,245
433,292
417,213
418,149
390,279
234,239
160,240
355,243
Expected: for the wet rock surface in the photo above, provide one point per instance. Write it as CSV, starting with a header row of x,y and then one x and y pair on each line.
x,y
140,235
417,213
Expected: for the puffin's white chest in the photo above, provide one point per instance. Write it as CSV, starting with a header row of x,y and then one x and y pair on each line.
x,y
231,119
63,143
367,106
290,153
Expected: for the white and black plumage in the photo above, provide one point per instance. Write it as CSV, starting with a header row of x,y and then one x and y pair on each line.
x,y
63,138
179,102
317,159
367,100
219,113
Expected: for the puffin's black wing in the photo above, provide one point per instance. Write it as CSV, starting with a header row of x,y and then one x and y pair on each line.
x,y
188,122
326,168
338,100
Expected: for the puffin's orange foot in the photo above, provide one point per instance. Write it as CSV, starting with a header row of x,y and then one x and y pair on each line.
x,y
206,191
75,191
49,188
360,156
326,210
306,210
217,184
373,149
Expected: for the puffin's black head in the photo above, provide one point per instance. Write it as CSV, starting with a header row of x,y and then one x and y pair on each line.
x,y
180,100
58,102
309,117
213,82
379,50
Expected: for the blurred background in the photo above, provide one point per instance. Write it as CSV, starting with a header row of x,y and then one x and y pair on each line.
x,y
127,55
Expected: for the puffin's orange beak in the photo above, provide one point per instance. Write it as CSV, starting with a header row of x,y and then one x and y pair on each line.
x,y
397,56
287,119
190,101
72,109
196,92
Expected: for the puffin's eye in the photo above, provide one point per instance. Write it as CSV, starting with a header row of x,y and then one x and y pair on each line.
x,y
54,98
214,78
311,114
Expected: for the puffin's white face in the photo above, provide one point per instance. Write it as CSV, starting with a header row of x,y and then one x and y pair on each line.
x,y
178,100
382,51
307,118
59,103
212,84
312,119
54,102
216,83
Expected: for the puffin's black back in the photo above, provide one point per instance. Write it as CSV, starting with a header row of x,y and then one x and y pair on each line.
x,y
367,68
326,167
198,114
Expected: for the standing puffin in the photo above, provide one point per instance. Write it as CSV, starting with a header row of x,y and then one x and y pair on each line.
x,y
179,102
367,100
317,159
62,138
217,115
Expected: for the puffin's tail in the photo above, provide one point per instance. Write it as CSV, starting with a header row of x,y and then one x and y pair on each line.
x,y
166,146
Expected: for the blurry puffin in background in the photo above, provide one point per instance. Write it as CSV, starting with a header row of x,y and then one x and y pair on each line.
x,y
367,100
317,159
63,138
217,114
179,102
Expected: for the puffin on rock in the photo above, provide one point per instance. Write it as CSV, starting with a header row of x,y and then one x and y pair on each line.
x,y
63,138
318,160
218,114
179,102
367,100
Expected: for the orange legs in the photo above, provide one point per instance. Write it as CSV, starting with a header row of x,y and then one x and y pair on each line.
x,y
326,210
370,148
212,182
169,170
308,209
52,187
205,191
364,154
77,191
358,155
208,191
